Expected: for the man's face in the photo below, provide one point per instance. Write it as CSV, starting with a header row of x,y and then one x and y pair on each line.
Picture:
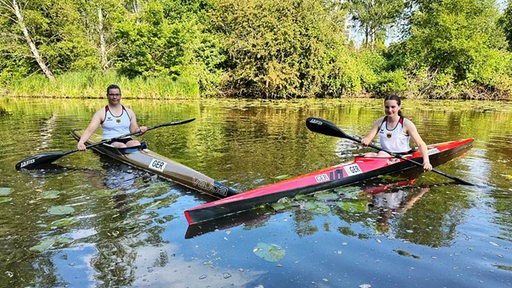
x,y
114,95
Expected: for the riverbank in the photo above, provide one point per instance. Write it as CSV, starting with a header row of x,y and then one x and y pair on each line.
x,y
92,85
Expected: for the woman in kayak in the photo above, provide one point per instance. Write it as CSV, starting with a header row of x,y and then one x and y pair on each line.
x,y
115,120
395,132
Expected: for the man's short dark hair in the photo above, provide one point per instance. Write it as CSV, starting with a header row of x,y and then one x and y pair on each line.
x,y
112,86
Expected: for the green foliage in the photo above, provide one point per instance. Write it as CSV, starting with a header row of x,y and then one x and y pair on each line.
x,y
55,29
92,84
280,48
457,42
257,48
505,23
160,41
374,16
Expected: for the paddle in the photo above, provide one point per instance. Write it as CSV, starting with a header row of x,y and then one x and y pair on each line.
x,y
327,128
46,158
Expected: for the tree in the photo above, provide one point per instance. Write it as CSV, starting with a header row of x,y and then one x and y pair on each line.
x,y
50,27
279,49
455,41
168,38
15,8
373,17
505,23
98,18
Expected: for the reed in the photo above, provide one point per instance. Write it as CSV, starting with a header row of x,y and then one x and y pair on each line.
x,y
92,84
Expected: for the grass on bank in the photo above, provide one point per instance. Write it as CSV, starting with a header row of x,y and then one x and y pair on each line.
x,y
94,84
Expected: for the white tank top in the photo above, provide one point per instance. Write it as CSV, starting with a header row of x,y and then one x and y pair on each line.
x,y
115,126
394,140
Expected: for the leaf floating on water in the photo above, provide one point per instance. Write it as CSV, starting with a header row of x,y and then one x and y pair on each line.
x,y
283,204
4,191
302,197
43,245
317,207
51,194
282,177
269,252
327,196
348,192
50,243
63,222
61,210
5,199
104,192
353,206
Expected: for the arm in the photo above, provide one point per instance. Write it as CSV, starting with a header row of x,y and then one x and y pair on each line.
x,y
373,131
134,127
410,129
93,125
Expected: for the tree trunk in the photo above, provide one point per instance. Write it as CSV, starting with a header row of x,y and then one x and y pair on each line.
x,y
31,44
104,63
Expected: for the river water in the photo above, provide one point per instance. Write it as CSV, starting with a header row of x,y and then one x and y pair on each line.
x,y
89,222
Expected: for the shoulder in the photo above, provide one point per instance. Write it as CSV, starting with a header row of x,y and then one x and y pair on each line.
x,y
409,126
129,111
407,122
100,112
379,120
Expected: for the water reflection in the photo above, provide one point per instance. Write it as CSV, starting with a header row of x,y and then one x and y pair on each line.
x,y
127,226
161,266
393,205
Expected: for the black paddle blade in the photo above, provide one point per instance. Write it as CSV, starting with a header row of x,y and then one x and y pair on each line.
x,y
325,127
39,159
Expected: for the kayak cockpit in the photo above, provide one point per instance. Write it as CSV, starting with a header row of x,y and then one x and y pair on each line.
x,y
128,150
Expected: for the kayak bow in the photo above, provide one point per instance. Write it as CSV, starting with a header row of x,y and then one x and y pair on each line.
x,y
357,170
142,158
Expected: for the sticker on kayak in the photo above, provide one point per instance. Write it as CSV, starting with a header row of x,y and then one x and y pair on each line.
x,y
321,178
352,169
433,151
157,165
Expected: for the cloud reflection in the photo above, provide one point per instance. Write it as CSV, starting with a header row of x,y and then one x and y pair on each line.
x,y
160,267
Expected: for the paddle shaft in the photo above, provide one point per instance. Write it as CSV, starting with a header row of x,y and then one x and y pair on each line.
x,y
47,158
417,163
327,128
133,133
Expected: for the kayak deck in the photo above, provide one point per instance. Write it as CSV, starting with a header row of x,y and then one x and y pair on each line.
x,y
142,158
357,170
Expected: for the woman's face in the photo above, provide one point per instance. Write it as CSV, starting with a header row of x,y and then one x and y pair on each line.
x,y
391,108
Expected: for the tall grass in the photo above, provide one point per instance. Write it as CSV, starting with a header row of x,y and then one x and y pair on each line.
x,y
92,84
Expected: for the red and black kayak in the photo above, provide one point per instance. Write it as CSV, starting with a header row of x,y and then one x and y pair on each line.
x,y
357,170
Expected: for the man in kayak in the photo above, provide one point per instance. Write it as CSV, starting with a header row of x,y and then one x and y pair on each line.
x,y
395,132
115,120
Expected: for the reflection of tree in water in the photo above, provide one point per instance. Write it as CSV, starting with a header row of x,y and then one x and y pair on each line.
x,y
128,223
434,219
398,212
432,222
302,221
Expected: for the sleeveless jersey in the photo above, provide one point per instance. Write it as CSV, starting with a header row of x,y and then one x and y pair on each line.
x,y
115,126
394,140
